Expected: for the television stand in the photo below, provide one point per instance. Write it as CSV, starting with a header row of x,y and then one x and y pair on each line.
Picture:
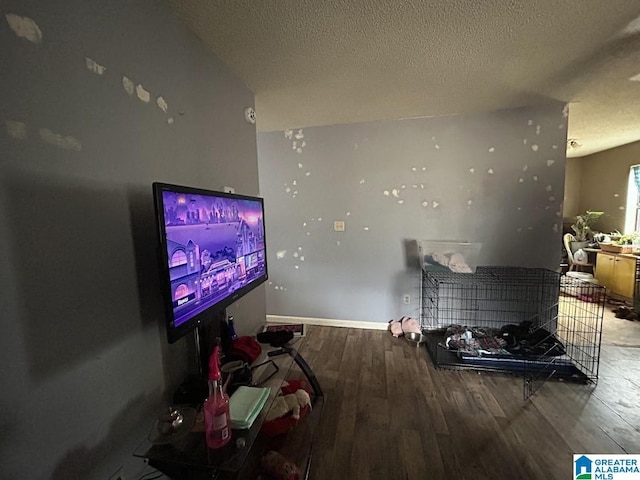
x,y
189,458
193,390
304,366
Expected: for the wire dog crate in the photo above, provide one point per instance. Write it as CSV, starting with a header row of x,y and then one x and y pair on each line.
x,y
529,321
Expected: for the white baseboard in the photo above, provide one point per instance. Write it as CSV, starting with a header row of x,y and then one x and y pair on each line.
x,y
328,322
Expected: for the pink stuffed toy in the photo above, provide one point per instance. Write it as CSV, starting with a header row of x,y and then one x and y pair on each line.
x,y
395,327
410,325
404,325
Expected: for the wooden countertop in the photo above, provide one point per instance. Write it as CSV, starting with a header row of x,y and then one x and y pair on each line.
x,y
627,255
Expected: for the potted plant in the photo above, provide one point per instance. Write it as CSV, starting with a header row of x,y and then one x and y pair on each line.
x,y
627,239
582,228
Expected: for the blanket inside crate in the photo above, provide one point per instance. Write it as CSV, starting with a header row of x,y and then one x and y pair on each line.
x,y
521,340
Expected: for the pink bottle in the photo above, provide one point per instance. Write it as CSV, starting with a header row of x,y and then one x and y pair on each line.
x,y
216,407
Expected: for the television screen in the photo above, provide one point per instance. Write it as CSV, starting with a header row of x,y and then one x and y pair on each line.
x,y
212,252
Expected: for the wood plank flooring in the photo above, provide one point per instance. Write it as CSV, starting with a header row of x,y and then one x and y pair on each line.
x,y
389,414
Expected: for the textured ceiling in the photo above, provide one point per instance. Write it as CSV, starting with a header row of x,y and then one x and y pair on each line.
x,y
320,62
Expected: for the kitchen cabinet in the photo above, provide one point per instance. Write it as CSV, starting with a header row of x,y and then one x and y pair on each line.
x,y
617,272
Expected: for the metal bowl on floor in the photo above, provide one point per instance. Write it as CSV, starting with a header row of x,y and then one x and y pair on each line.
x,y
415,338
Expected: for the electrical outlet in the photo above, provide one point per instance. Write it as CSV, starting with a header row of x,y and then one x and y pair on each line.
x,y
406,299
338,226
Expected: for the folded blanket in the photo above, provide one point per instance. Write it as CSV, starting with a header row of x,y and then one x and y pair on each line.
x,y
245,405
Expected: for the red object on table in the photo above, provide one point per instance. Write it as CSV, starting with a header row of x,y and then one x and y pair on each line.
x,y
279,426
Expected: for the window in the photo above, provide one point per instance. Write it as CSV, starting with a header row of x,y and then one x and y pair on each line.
x,y
178,258
632,218
181,291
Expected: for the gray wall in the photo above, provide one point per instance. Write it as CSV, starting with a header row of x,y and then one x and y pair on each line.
x,y
495,178
604,181
85,359
572,187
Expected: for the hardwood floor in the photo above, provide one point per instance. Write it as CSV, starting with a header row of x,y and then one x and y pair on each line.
x,y
389,414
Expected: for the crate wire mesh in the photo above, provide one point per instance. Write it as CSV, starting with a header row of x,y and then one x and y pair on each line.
x,y
497,296
580,323
491,297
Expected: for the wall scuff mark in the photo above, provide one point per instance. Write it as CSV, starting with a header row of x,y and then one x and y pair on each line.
x,y
17,130
128,85
66,142
24,27
295,144
94,66
162,104
142,94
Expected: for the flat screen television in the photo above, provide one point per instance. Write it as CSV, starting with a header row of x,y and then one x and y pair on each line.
x,y
212,252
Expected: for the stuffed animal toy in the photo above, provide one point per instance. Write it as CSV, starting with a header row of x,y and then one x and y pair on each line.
x,y
404,325
410,325
279,467
283,404
395,327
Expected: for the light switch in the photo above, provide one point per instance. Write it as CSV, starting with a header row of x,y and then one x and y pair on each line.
x,y
338,225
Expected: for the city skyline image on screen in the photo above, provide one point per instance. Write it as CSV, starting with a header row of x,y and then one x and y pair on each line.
x,y
215,247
